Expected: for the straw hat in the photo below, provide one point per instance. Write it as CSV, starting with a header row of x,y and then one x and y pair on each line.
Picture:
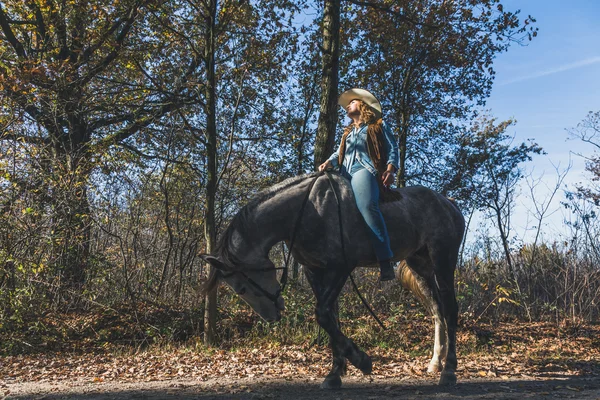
x,y
360,94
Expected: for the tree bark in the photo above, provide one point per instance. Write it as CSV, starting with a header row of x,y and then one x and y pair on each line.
x,y
404,127
210,306
66,178
402,140
504,238
325,140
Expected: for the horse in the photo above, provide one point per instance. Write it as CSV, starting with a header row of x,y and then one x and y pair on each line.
x,y
317,215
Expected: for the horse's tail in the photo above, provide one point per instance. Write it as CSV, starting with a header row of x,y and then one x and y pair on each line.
x,y
409,282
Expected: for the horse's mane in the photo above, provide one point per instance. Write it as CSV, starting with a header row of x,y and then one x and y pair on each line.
x,y
271,191
242,217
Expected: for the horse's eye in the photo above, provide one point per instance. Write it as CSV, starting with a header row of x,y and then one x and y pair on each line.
x,y
242,291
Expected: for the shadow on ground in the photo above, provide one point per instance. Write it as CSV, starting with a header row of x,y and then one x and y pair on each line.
x,y
584,387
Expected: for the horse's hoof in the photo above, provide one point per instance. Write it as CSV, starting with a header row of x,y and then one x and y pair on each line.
x,y
332,382
366,365
447,378
434,367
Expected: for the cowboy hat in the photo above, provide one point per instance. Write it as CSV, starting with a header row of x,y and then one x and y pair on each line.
x,y
360,94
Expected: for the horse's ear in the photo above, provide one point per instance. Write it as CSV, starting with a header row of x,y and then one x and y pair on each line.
x,y
215,262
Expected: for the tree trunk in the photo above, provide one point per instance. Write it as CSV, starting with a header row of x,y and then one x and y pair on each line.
x,y
67,178
404,127
77,239
68,174
210,306
503,236
325,140
402,140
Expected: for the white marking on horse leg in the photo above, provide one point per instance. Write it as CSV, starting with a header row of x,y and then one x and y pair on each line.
x,y
440,348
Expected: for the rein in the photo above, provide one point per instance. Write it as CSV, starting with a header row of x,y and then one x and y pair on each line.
x,y
284,276
293,238
368,307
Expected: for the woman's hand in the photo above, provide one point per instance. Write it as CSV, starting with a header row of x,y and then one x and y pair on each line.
x,y
388,177
325,165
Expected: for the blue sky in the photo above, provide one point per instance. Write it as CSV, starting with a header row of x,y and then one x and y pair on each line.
x,y
549,86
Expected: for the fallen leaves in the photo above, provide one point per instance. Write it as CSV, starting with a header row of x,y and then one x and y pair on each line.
x,y
533,355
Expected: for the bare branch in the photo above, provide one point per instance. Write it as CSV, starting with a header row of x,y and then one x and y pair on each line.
x,y
141,154
10,36
23,138
39,21
131,16
232,130
138,124
87,53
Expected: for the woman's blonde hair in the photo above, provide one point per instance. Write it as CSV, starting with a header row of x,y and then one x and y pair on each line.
x,y
367,115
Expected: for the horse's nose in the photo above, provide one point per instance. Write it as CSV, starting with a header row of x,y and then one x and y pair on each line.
x,y
272,317
280,303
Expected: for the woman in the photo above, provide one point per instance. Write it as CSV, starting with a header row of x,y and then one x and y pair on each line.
x,y
368,156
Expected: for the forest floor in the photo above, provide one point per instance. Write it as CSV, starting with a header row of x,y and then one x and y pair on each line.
x,y
357,388
500,361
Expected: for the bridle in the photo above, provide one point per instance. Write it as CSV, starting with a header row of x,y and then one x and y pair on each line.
x,y
282,284
271,296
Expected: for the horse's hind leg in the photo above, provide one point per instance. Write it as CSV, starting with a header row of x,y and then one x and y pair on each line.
x,y
445,264
440,346
423,286
327,285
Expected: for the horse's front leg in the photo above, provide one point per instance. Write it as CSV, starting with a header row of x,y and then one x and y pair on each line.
x,y
327,320
327,285
342,348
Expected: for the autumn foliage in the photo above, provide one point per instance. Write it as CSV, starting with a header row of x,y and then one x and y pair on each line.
x,y
133,130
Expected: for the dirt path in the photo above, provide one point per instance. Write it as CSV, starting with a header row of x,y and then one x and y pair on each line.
x,y
515,362
354,388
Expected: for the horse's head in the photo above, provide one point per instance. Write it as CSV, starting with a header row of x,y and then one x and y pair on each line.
x,y
257,285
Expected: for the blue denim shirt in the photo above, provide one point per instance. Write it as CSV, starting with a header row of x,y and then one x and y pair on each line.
x,y
356,150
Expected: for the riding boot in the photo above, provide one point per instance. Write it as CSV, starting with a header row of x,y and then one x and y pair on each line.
x,y
386,271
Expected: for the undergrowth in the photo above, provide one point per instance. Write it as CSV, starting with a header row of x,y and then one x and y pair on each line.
x,y
93,327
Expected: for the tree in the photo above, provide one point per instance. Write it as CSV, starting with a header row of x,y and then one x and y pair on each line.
x,y
245,50
586,199
210,231
76,80
487,173
80,80
589,132
431,64
330,60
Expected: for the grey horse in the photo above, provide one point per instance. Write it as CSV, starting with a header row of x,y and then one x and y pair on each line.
x,y
425,228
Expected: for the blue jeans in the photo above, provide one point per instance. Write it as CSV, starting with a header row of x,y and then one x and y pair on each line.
x,y
366,192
